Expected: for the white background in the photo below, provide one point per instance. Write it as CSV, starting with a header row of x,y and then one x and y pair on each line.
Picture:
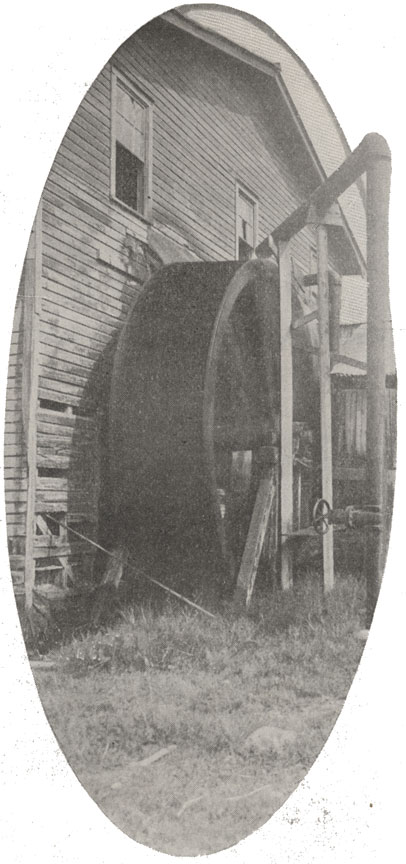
x,y
50,53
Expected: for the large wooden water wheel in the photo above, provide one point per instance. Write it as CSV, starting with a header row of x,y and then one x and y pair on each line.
x,y
194,411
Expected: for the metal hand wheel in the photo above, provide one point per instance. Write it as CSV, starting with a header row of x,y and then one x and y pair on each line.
x,y
321,516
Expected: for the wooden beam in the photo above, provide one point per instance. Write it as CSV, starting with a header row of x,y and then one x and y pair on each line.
x,y
310,279
301,320
32,307
255,538
325,399
285,275
372,148
349,361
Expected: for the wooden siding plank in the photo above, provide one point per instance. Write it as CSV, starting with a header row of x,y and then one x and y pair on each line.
x,y
60,388
82,267
81,229
58,297
81,355
87,131
48,390
68,325
70,340
78,169
102,287
58,370
89,149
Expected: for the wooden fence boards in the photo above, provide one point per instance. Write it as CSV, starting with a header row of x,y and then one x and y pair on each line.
x,y
349,411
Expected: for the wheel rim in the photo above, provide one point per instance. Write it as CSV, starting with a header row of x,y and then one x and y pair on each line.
x,y
245,424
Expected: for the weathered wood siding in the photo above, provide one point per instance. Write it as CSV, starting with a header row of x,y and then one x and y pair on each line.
x,y
214,123
15,466
350,416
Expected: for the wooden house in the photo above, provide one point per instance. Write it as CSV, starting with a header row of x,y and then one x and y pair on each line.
x,y
189,146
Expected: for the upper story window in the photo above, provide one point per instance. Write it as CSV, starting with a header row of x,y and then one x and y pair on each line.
x,y
247,221
130,146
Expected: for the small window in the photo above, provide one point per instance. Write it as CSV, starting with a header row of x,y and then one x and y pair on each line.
x,y
247,218
130,146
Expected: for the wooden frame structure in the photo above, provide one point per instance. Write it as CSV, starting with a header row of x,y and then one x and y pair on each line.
x,y
373,157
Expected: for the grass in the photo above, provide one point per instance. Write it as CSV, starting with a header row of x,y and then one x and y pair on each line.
x,y
175,677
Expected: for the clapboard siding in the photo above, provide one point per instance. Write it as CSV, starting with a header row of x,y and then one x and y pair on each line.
x,y
219,125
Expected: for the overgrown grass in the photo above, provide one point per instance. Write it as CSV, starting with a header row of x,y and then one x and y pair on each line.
x,y
178,677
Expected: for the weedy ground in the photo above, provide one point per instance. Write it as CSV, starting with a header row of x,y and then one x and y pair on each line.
x,y
197,687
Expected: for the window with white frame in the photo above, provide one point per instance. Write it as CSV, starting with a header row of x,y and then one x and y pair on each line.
x,y
247,219
130,146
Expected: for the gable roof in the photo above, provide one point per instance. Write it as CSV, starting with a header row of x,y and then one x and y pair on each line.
x,y
249,39
317,117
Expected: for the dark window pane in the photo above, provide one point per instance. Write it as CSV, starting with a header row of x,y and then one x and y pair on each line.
x,y
244,250
129,178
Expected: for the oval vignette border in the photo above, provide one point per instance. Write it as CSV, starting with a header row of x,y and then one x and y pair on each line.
x,y
37,70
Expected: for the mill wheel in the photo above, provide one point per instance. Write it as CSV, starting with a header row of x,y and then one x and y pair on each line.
x,y
194,411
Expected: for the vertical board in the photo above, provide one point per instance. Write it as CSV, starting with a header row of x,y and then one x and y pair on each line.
x,y
286,492
32,310
325,398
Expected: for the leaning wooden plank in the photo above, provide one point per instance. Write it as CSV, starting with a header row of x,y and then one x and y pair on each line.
x,y
255,539
348,361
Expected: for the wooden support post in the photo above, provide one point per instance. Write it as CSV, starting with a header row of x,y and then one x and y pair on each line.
x,y
378,187
286,484
325,398
67,572
32,307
